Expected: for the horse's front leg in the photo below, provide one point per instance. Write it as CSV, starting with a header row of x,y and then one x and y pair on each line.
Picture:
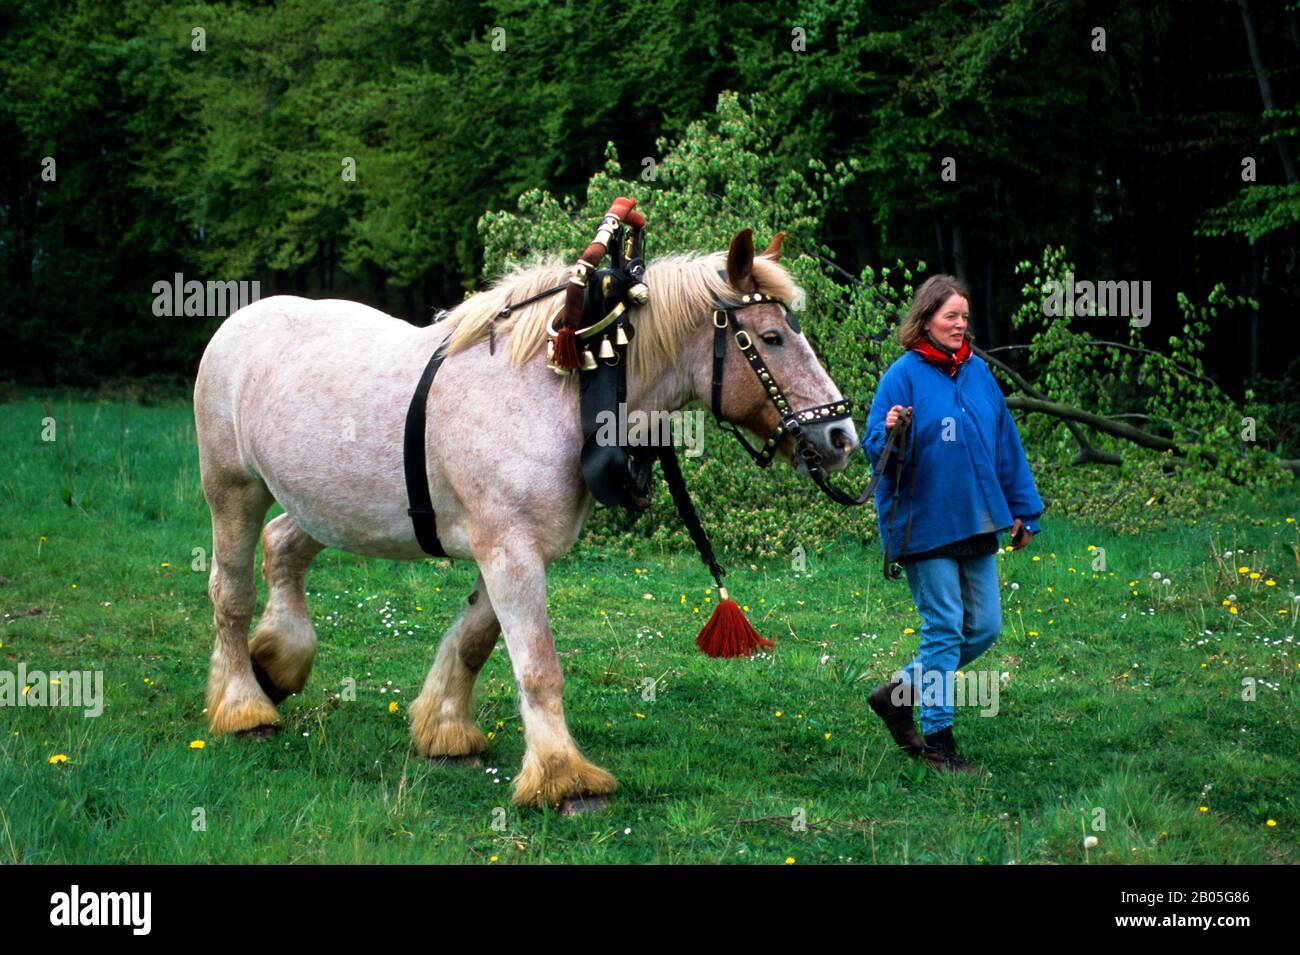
x,y
553,769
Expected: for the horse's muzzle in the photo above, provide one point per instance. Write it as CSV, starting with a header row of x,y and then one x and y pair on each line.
x,y
834,442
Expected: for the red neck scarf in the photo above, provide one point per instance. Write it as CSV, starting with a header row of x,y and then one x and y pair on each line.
x,y
944,359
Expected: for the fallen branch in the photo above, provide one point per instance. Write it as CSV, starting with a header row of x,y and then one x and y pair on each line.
x,y
1086,451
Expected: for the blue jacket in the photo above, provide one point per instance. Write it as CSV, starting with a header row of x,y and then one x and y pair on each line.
x,y
965,471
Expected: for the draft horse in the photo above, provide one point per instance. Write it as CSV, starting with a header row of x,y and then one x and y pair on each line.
x,y
302,402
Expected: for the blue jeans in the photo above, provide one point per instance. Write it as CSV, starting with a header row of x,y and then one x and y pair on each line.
x,y
961,607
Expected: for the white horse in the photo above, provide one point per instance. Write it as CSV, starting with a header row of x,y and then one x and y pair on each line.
x,y
304,402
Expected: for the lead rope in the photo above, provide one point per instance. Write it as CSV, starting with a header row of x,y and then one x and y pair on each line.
x,y
902,430
728,633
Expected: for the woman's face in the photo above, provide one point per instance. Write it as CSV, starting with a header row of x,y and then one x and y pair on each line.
x,y
947,326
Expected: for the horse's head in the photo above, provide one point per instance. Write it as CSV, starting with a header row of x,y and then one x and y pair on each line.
x,y
769,376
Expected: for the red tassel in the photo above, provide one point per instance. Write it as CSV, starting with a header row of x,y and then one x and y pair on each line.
x,y
565,353
728,633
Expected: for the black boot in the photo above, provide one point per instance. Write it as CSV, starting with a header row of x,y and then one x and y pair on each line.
x,y
898,716
941,753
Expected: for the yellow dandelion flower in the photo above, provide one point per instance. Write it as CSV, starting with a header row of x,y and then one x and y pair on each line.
x,y
908,630
1255,575
1232,610
58,758
501,724
1289,520
392,707
1271,823
1227,603
1092,547
778,712
1033,633
1243,570
639,716
197,744
1036,557
789,860
826,735
164,564
1270,582
492,859
1205,808
491,735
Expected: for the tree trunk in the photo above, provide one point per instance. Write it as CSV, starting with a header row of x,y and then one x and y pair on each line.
x,y
1265,88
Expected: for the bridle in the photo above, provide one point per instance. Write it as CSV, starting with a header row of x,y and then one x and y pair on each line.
x,y
791,421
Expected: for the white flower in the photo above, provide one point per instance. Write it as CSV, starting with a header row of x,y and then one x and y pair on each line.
x,y
1155,575
1015,586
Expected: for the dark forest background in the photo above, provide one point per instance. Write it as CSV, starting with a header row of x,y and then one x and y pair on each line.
x,y
224,163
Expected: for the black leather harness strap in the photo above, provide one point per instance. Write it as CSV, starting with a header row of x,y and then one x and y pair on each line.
x,y
415,462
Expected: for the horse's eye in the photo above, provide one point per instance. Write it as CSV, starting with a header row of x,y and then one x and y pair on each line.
x,y
771,338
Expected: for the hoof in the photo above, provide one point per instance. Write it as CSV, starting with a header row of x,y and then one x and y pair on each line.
x,y
265,731
584,805
268,686
469,760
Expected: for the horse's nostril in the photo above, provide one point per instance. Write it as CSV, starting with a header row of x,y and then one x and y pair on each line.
x,y
840,440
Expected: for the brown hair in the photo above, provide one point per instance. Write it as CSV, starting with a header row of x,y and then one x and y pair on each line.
x,y
933,292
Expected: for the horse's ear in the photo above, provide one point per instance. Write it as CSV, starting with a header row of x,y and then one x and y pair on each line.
x,y
773,250
740,258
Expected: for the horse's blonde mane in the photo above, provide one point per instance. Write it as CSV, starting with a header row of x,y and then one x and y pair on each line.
x,y
682,287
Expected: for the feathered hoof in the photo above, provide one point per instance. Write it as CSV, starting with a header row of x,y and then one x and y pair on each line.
x,y
436,736
557,778
281,667
242,714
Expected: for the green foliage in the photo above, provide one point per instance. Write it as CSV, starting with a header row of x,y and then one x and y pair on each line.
x,y
1165,393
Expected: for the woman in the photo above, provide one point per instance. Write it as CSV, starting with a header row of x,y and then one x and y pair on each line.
x,y
964,480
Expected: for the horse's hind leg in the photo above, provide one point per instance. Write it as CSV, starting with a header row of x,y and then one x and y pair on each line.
x,y
235,701
284,644
442,716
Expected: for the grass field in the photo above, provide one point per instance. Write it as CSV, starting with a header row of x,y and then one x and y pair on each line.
x,y
1125,694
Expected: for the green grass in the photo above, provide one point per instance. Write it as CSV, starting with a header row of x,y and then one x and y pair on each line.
x,y
1119,699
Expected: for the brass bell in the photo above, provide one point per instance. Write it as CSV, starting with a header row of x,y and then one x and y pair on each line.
x,y
620,335
606,348
638,294
588,360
